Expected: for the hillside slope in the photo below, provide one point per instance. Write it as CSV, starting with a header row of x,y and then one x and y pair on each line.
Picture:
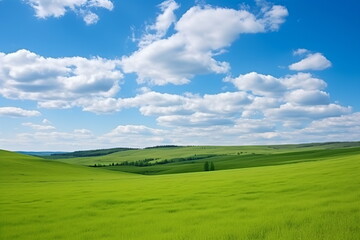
x,y
160,154
192,159
316,200
19,167
223,162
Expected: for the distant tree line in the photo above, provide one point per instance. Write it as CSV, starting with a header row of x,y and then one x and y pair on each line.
x,y
163,146
152,161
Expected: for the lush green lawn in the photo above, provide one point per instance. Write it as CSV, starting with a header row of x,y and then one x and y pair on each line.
x,y
308,200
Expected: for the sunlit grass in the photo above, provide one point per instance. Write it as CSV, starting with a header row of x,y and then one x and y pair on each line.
x,y
311,200
181,152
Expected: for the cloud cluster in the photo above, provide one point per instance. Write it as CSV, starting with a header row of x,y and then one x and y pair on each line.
x,y
57,82
297,97
245,132
257,131
261,108
53,8
292,101
201,34
346,126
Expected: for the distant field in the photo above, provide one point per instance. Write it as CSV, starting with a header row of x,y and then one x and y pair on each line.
x,y
317,199
223,162
224,157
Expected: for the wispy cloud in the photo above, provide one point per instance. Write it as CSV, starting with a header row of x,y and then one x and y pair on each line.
x,y
18,112
39,126
300,52
163,22
85,8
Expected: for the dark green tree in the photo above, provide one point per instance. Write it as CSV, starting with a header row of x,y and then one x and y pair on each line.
x,y
206,166
212,167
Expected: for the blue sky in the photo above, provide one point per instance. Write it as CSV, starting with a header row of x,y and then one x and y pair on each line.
x,y
85,74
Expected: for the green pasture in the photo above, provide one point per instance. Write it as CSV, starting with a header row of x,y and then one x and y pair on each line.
x,y
223,162
160,154
310,200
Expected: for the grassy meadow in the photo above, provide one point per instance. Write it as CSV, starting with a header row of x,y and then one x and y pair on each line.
x,y
314,195
192,158
162,153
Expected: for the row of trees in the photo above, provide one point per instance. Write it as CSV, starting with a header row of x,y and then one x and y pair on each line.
x,y
151,162
209,166
138,163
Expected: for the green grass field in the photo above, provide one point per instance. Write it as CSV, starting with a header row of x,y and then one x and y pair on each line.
x,y
224,157
275,193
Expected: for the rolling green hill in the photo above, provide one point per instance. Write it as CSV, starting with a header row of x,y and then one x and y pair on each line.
x,y
313,200
192,158
16,167
223,162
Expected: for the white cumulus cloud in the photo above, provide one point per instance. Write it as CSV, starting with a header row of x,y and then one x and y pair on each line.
x,y
201,34
299,97
308,97
259,84
291,111
291,101
135,136
267,85
18,112
315,61
57,82
348,124
190,109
